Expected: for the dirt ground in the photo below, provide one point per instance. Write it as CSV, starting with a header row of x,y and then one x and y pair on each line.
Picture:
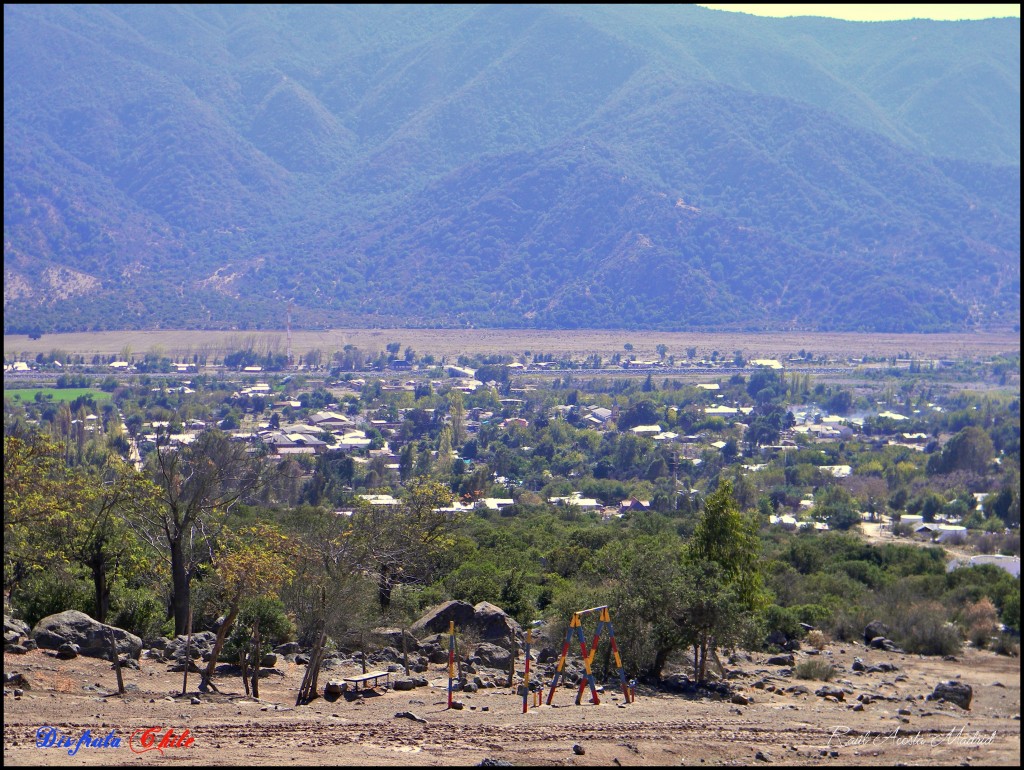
x,y
898,727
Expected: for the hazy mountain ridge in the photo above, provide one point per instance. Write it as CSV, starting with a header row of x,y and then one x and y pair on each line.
x,y
508,165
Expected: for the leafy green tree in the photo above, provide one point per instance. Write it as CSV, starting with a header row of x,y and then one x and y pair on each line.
x,y
59,518
402,544
457,410
253,562
725,546
837,507
969,450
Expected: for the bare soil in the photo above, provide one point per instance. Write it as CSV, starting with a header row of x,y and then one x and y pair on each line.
x,y
899,727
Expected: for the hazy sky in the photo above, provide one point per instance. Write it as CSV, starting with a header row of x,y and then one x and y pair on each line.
x,y
877,11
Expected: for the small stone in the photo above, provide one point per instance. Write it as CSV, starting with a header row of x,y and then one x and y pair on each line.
x,y
577,749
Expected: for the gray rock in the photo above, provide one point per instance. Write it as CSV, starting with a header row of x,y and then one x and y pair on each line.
x,y
334,688
68,651
16,680
269,660
14,629
955,692
494,623
492,656
410,715
404,684
829,691
15,649
436,619
873,629
546,655
858,665
288,648
781,660
202,645
91,636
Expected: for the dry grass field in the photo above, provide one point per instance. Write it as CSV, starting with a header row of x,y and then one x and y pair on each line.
x,y
451,343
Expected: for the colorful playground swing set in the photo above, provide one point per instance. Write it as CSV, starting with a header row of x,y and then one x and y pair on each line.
x,y
575,629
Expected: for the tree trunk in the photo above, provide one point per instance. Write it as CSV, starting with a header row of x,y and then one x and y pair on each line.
x,y
222,634
102,589
384,586
180,597
660,658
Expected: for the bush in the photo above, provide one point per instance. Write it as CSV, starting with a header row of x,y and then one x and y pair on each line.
x,y
812,614
926,630
815,668
782,619
48,593
1007,644
817,639
275,626
981,621
141,612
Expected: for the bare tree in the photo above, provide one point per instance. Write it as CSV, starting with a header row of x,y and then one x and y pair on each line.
x,y
198,485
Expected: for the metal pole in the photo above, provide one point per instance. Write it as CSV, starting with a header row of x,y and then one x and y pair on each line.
x,y
451,659
526,675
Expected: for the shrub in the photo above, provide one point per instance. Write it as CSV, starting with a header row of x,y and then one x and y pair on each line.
x,y
815,668
924,629
275,626
812,614
981,621
782,619
141,612
817,639
1006,644
48,593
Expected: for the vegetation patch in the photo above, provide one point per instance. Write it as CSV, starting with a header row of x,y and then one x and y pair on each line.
x,y
54,394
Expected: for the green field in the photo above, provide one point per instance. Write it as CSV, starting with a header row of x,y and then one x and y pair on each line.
x,y
54,394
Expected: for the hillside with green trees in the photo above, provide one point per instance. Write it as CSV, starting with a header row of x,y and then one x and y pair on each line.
x,y
663,167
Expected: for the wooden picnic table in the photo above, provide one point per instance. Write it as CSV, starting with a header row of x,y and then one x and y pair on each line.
x,y
369,676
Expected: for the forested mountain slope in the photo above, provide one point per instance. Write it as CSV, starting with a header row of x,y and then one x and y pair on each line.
x,y
577,166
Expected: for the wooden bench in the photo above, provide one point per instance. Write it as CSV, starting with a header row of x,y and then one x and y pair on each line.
x,y
370,676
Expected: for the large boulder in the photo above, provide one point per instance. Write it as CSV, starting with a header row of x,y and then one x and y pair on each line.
x,y
492,656
494,623
873,629
91,636
955,692
201,646
436,619
15,630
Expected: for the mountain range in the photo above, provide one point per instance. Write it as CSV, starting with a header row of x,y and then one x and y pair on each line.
x,y
626,166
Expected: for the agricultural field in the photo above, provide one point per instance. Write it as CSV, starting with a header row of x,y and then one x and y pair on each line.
x,y
55,395
452,343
